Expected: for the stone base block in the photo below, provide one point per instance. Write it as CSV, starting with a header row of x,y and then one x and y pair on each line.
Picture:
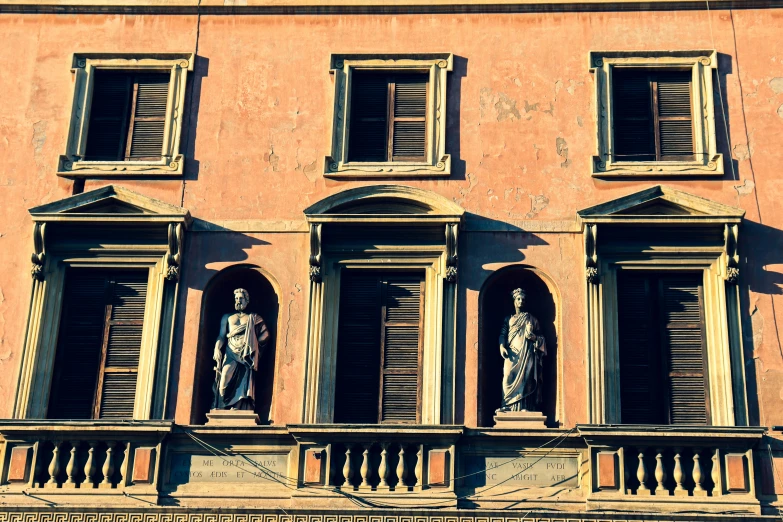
x,y
232,418
520,420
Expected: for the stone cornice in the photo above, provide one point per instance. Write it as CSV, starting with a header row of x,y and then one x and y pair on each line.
x,y
278,7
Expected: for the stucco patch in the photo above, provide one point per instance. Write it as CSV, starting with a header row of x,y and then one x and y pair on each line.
x,y
741,152
562,151
506,108
39,136
537,204
780,111
776,84
746,187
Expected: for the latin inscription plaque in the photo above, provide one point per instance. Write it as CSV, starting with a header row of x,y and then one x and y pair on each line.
x,y
187,468
524,471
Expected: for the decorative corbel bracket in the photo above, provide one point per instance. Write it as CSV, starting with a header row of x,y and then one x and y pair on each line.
x,y
452,234
731,242
39,251
591,254
174,255
315,252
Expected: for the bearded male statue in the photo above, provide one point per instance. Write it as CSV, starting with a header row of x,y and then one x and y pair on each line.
x,y
239,346
523,349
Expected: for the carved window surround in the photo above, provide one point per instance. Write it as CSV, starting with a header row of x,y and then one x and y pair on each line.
x,y
438,163
701,63
72,164
660,208
429,225
106,228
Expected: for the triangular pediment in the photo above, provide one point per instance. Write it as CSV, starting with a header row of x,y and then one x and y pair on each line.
x,y
661,203
108,203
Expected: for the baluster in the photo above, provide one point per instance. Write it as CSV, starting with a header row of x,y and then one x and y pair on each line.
x,y
347,469
54,467
698,489
383,468
679,490
108,467
70,468
718,488
402,470
89,467
418,479
365,469
641,475
660,474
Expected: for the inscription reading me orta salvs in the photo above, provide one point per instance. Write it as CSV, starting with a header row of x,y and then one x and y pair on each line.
x,y
243,468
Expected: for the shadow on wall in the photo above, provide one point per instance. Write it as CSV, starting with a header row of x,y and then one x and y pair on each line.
x,y
218,299
495,304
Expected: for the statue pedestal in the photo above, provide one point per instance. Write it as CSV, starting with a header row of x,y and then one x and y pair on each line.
x,y
232,418
520,420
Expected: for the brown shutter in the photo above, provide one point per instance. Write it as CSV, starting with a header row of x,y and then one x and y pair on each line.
x,y
358,350
640,377
111,98
150,98
79,345
401,335
683,337
674,119
122,345
634,139
409,126
369,117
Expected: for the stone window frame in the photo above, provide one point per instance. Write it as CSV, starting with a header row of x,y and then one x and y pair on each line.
x,y
72,164
701,63
438,163
725,360
55,252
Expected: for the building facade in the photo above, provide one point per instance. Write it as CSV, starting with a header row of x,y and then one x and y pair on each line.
x,y
381,177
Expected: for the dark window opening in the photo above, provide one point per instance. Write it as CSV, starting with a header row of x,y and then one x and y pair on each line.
x,y
652,115
379,348
127,116
99,344
388,120
663,376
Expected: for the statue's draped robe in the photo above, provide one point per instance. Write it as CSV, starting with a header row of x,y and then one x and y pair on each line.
x,y
522,370
244,345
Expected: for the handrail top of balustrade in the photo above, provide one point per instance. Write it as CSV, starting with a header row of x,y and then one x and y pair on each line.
x,y
66,429
671,435
379,432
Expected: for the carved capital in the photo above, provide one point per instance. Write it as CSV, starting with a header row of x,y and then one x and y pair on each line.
x,y
452,235
732,275
731,243
591,274
39,251
591,254
174,254
315,252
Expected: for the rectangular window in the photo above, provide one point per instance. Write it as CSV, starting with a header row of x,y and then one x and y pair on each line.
x,y
127,116
652,113
379,348
388,117
99,343
663,377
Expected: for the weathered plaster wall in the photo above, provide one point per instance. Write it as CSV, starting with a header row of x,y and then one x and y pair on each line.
x,y
521,131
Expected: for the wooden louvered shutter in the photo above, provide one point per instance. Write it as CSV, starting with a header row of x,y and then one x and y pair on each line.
x,y
150,97
640,376
401,349
682,315
674,121
369,117
358,350
78,356
107,133
121,345
408,122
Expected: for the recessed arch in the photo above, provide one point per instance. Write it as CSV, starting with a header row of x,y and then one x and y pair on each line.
x,y
385,199
218,299
495,304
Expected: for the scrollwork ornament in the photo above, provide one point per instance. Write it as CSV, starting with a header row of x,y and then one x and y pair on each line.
x,y
37,272
451,274
599,62
172,273
81,63
705,60
443,64
315,274
732,275
591,274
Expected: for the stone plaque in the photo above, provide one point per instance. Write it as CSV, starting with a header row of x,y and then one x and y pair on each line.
x,y
522,471
187,468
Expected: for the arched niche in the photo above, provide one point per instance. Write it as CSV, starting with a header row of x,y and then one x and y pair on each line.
x,y
217,300
495,304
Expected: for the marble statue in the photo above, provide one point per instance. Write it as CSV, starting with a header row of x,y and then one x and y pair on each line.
x,y
239,346
523,349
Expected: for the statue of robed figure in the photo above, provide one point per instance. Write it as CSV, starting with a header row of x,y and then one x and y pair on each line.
x,y
523,349
239,347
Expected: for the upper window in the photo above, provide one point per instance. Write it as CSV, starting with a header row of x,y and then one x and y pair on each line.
x,y
655,114
127,116
389,116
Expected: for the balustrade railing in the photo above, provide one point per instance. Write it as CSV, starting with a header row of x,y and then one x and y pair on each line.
x,y
382,466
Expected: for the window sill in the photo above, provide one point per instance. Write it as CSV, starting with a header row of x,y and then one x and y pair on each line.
x,y
387,169
610,169
68,168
